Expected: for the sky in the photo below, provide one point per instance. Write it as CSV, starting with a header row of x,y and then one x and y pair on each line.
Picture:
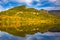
x,y
36,36
37,4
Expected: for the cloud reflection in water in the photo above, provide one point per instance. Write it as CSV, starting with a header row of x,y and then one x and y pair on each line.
x,y
36,36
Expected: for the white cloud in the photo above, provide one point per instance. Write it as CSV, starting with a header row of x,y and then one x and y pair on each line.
x,y
23,1
52,0
29,3
4,1
37,0
56,2
1,8
38,4
49,8
26,1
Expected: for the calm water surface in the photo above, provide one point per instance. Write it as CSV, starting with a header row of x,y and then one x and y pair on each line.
x,y
36,36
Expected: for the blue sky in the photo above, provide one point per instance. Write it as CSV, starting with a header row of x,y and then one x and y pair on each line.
x,y
37,4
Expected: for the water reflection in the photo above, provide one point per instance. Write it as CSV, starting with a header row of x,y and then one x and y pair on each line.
x,y
36,36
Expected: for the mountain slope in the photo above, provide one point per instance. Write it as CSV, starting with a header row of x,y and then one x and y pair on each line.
x,y
21,21
55,12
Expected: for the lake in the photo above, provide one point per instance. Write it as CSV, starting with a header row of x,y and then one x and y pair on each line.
x,y
36,36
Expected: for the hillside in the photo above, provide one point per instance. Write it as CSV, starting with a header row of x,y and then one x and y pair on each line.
x,y
21,21
55,12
